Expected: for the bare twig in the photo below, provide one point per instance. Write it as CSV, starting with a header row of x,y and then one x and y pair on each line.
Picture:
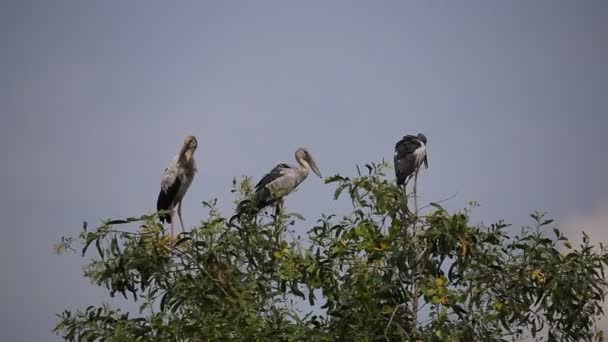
x,y
406,209
440,201
201,268
391,320
278,217
419,256
416,194
417,251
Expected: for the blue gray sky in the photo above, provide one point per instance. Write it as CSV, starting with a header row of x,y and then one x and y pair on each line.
x,y
97,97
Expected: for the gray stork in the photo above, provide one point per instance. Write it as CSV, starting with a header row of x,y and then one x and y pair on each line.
x,y
410,155
280,182
176,180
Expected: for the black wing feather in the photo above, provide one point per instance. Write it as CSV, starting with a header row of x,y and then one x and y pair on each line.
x,y
263,197
405,162
270,176
407,145
165,199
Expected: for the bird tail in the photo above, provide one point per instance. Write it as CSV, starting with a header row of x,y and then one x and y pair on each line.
x,y
400,179
252,207
163,203
246,207
164,218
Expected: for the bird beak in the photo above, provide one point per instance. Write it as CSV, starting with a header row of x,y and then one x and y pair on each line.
x,y
315,168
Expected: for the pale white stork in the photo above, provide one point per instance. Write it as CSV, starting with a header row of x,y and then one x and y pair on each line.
x,y
280,182
410,155
176,180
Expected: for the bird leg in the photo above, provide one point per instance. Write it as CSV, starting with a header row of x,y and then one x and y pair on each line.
x,y
179,214
171,217
418,251
416,193
278,217
279,207
406,210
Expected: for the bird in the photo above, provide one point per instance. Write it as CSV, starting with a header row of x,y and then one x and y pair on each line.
x,y
280,182
176,180
410,155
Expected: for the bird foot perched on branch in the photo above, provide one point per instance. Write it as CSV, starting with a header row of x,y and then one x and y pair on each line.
x,y
406,210
245,208
278,219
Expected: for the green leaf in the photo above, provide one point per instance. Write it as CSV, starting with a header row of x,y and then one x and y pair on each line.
x,y
99,249
297,215
182,240
237,282
115,222
333,179
546,222
311,298
436,205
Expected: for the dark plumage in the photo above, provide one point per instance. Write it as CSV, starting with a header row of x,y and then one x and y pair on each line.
x,y
410,154
166,200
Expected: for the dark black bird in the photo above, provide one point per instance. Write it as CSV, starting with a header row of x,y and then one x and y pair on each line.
x,y
410,154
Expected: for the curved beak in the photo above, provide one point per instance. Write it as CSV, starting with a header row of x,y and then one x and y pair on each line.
x,y
314,167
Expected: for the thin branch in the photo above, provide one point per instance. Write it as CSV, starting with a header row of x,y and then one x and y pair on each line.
x,y
278,218
201,268
391,321
441,201
415,196
417,250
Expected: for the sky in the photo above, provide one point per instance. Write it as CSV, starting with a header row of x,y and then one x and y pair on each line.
x,y
97,98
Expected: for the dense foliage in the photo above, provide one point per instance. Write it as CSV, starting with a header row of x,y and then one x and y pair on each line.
x,y
375,274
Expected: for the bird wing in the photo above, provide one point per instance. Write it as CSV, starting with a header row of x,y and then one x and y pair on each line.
x,y
405,161
275,173
263,194
170,176
404,167
407,145
169,187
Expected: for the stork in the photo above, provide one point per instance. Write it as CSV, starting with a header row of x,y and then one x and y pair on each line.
x,y
280,182
410,155
176,180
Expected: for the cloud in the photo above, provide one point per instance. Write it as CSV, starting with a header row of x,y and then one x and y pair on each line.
x,y
594,223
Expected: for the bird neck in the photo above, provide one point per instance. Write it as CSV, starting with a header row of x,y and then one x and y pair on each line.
x,y
186,154
304,166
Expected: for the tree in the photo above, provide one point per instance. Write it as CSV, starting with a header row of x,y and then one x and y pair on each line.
x,y
375,274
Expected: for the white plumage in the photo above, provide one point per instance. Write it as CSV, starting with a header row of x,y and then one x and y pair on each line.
x,y
176,180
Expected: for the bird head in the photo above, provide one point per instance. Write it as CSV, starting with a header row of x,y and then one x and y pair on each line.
x,y
303,154
422,138
190,142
